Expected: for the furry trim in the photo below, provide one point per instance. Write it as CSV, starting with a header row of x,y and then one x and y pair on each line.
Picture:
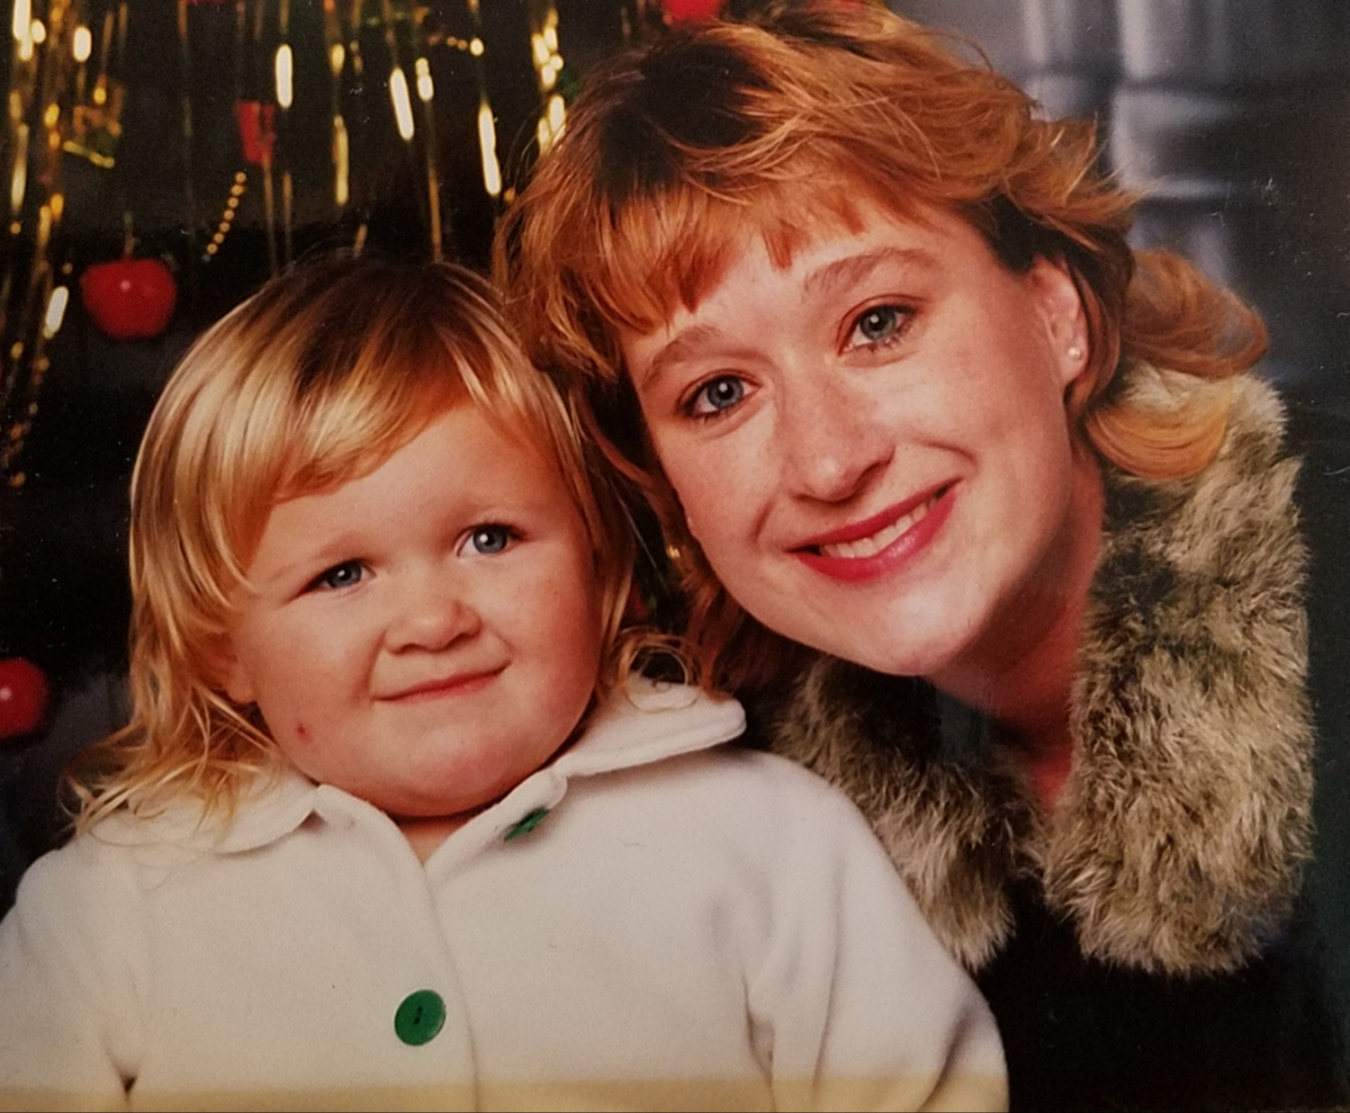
x,y
1178,842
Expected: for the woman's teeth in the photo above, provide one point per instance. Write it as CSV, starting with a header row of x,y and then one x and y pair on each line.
x,y
870,546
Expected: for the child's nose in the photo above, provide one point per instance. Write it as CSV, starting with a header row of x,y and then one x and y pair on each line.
x,y
432,615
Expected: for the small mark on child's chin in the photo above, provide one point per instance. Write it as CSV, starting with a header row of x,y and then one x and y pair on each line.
x,y
301,731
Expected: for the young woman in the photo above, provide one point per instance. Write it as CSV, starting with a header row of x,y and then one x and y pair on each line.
x,y
867,333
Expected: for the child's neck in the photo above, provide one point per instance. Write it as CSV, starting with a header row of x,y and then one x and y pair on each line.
x,y
426,833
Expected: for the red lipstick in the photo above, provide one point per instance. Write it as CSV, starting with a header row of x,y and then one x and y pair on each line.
x,y
856,567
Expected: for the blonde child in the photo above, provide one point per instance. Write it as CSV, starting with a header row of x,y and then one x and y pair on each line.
x,y
390,827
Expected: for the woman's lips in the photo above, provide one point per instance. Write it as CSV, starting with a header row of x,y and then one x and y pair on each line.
x,y
878,544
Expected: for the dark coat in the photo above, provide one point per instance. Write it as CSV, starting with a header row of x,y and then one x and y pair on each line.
x,y
1174,934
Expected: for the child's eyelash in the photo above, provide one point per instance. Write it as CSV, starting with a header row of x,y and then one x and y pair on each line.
x,y
345,574
490,538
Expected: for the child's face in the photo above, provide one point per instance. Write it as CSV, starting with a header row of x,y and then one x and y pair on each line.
x,y
428,635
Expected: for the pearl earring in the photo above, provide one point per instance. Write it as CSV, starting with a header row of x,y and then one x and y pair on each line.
x,y
1075,352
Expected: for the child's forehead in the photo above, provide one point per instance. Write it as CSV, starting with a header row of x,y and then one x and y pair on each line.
x,y
314,466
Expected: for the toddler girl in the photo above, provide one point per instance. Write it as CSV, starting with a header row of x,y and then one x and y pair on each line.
x,y
391,827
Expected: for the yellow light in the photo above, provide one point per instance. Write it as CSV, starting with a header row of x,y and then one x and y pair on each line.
x,y
548,77
82,44
487,141
557,114
543,134
425,89
232,203
18,183
23,19
39,32
398,93
285,69
476,47
58,205
227,216
551,37
56,311
100,94
336,57
541,50
340,162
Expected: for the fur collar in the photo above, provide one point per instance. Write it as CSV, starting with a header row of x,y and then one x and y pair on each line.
x,y
1178,841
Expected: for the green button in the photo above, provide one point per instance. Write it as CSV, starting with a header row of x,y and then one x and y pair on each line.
x,y
526,825
420,1017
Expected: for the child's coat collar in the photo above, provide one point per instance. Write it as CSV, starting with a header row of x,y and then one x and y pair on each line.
x,y
640,724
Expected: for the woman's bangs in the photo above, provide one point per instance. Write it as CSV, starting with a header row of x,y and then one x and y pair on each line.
x,y
664,254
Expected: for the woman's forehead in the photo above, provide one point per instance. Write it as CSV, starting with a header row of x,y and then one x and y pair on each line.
x,y
784,227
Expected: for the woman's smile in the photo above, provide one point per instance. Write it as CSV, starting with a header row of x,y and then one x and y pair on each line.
x,y
883,542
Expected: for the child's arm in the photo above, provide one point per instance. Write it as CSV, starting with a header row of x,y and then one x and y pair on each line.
x,y
856,1005
69,994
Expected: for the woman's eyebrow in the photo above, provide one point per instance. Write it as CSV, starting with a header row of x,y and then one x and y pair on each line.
x,y
684,344
855,268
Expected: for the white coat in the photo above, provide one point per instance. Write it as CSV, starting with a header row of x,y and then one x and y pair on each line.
x,y
673,926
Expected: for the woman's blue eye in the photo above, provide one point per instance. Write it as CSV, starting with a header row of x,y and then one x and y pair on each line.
x,y
717,395
878,324
489,539
341,575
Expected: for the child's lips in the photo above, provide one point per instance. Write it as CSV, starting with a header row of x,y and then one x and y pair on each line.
x,y
456,684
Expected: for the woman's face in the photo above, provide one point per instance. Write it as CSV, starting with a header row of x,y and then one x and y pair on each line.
x,y
871,445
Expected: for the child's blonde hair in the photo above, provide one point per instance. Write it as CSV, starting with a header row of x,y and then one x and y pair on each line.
x,y
314,381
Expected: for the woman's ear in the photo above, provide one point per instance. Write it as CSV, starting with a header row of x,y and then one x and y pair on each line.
x,y
1061,305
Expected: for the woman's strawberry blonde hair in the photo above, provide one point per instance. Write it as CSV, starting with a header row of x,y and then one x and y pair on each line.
x,y
314,381
778,126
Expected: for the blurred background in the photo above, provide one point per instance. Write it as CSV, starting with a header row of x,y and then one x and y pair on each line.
x,y
160,159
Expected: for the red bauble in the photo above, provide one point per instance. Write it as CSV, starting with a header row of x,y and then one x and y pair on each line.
x,y
129,299
23,697
690,11
257,130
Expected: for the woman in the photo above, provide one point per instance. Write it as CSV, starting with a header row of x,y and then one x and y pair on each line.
x,y
868,335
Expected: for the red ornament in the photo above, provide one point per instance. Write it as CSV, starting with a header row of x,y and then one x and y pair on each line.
x,y
129,299
257,130
23,697
691,11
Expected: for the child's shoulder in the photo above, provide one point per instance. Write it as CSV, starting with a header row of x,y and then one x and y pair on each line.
x,y
683,744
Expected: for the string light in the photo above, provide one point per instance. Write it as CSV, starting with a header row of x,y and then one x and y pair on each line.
x,y
548,64
18,184
398,93
82,44
56,311
487,142
23,19
285,68
425,89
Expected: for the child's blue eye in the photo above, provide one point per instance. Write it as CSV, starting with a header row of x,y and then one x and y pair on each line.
x,y
489,539
340,575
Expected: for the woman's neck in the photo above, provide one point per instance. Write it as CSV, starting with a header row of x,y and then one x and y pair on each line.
x,y
1022,670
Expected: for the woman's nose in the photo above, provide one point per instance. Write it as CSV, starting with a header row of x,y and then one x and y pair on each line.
x,y
834,442
432,612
